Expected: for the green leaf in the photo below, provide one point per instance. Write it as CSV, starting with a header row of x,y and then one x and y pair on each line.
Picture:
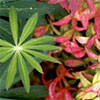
x,y
11,71
33,62
23,72
84,81
6,57
42,47
14,23
42,56
40,40
5,43
29,27
36,92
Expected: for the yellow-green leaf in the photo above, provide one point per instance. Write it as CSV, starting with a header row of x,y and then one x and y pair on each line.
x,y
42,56
23,72
11,71
29,27
33,62
41,47
14,23
84,81
40,40
96,78
5,43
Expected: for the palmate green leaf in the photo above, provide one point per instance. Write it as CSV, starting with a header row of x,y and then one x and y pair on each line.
x,y
42,47
6,57
40,40
11,71
42,56
5,43
14,23
33,62
23,72
29,27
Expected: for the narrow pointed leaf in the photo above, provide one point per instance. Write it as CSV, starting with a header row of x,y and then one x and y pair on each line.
x,y
33,62
42,47
14,23
5,43
41,40
42,56
6,57
29,27
23,72
11,71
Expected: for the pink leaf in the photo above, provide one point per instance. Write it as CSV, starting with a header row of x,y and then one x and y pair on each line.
x,y
97,22
61,39
91,41
54,1
71,47
73,63
40,30
81,39
97,43
62,21
91,4
79,54
64,4
84,20
91,54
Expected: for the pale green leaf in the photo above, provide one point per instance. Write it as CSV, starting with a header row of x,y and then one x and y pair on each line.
x,y
96,78
23,72
14,23
99,58
5,43
33,62
40,40
29,27
89,96
11,71
84,81
6,57
42,47
42,56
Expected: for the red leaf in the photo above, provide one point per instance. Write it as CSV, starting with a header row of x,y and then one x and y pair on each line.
x,y
97,22
91,54
61,39
91,41
81,39
41,30
62,21
73,63
79,54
